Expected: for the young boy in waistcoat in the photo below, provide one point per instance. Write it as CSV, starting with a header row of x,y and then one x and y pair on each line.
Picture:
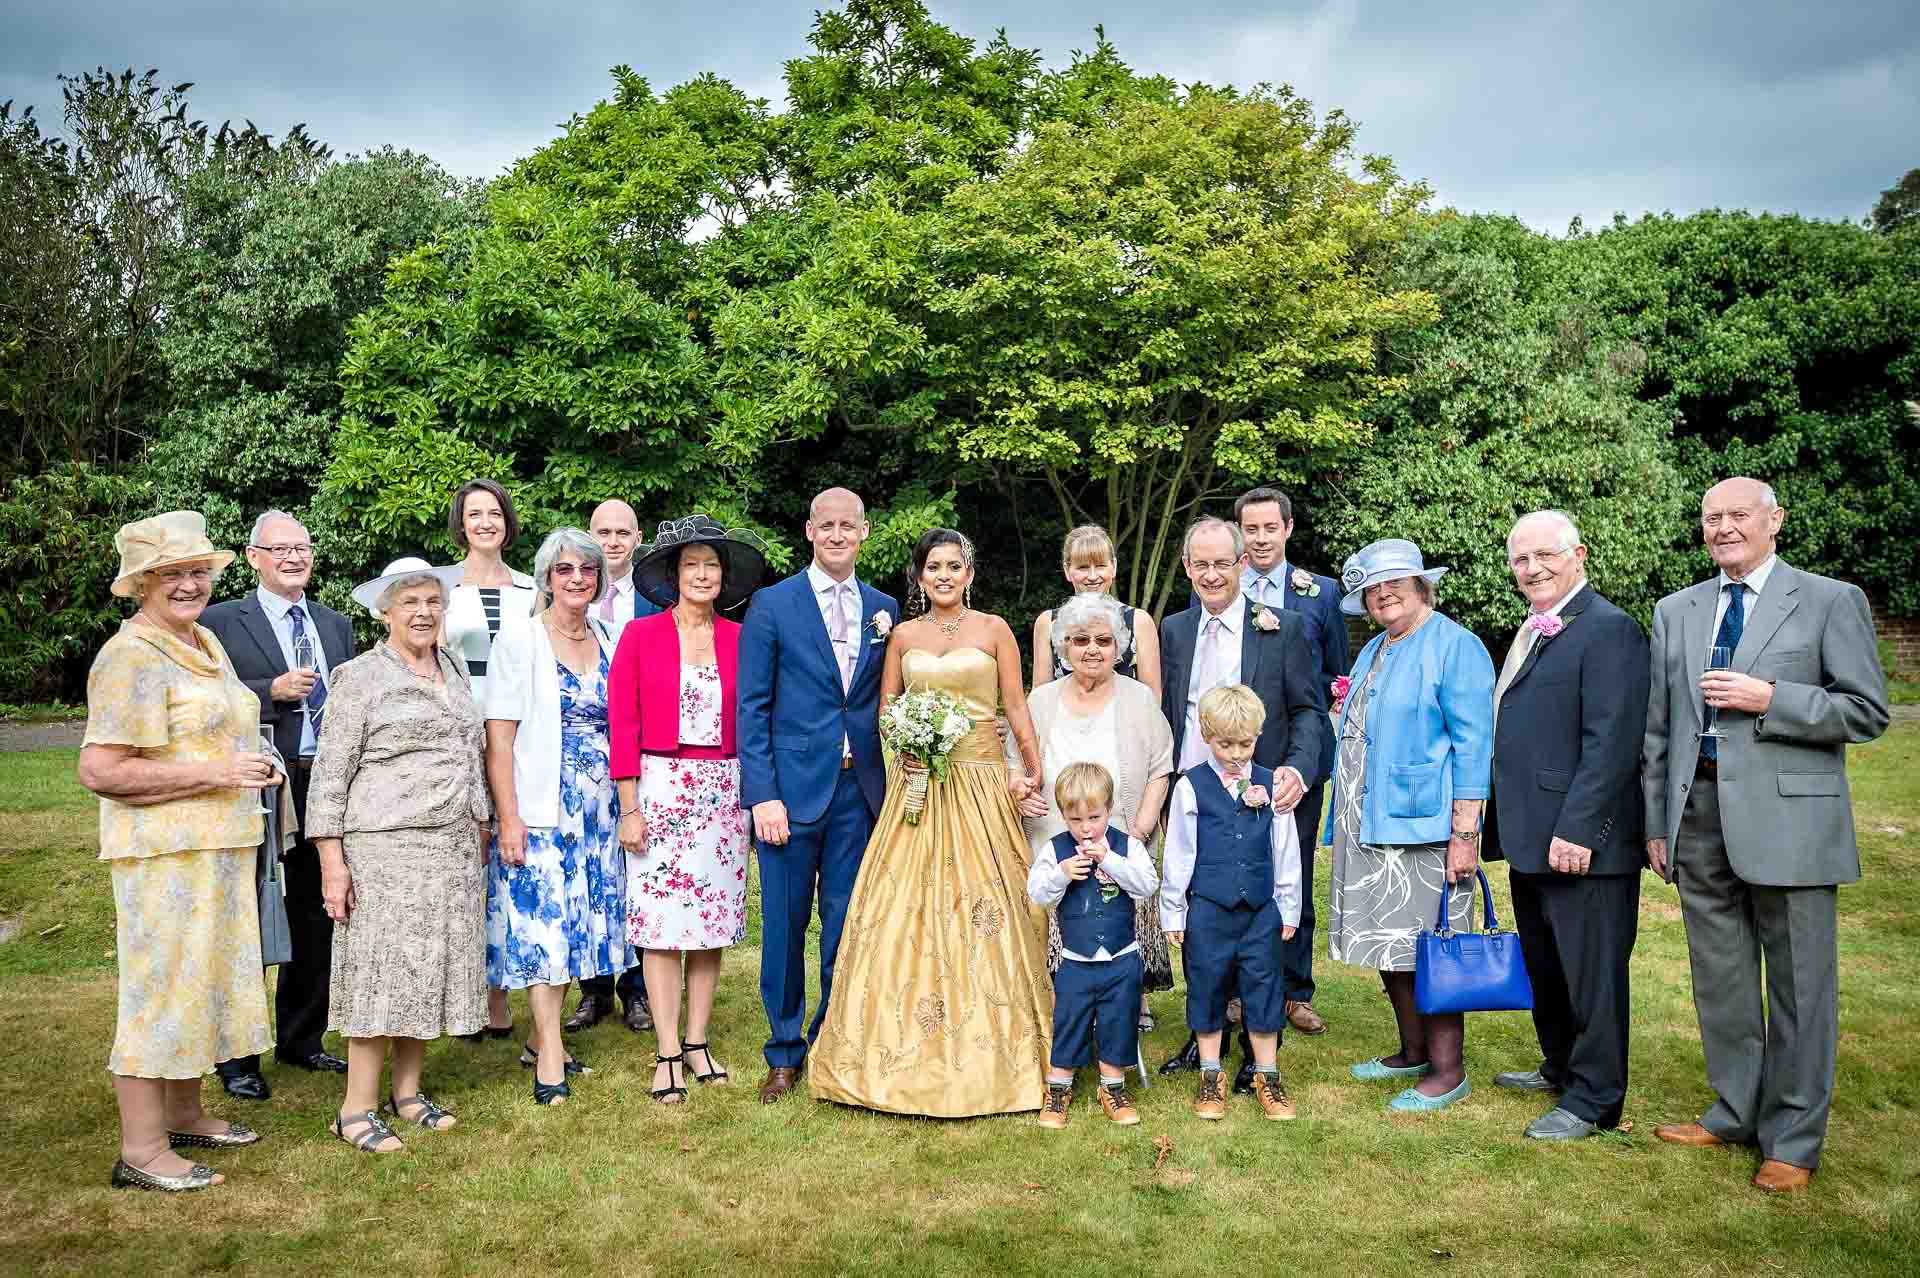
x,y
1230,894
1091,876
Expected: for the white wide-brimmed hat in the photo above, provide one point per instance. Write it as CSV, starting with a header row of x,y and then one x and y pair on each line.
x,y
1386,560
177,537
367,593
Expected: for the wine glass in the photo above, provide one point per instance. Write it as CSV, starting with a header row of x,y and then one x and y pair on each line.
x,y
1717,659
264,744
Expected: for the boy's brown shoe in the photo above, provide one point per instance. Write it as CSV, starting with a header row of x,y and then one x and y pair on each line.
x,y
1119,1106
1210,1102
1053,1107
1274,1101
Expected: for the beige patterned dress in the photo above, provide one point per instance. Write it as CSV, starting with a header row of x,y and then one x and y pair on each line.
x,y
398,779
187,916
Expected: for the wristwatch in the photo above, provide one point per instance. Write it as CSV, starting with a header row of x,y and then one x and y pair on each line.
x,y
1467,836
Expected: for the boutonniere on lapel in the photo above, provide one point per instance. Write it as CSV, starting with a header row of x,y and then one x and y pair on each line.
x,y
880,625
1304,584
1546,625
1254,796
1263,618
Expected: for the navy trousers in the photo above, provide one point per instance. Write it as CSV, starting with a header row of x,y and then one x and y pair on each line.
x,y
1296,956
822,856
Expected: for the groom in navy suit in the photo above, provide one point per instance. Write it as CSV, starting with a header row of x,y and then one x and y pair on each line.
x,y
811,651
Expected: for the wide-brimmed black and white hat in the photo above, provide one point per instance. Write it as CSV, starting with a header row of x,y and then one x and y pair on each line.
x,y
743,560
1386,560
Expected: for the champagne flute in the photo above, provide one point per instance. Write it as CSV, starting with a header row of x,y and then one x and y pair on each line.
x,y
1718,658
265,746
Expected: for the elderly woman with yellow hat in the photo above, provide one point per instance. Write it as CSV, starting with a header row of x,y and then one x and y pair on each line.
x,y
173,750
397,810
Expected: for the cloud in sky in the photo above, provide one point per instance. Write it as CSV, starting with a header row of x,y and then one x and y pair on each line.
x,y
1549,110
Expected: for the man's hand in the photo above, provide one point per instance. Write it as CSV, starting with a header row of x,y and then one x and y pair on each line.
x,y
1731,690
294,685
1657,855
1286,933
1076,867
1568,858
1288,789
770,823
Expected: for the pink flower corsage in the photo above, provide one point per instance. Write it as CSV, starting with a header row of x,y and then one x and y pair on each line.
x,y
881,624
1263,618
1254,796
1545,624
1339,690
1304,584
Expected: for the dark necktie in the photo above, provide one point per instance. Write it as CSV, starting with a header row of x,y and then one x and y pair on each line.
x,y
1728,637
306,654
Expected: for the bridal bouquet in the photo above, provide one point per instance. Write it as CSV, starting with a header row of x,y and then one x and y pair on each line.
x,y
924,724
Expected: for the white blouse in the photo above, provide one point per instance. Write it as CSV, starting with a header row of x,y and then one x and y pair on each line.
x,y
474,614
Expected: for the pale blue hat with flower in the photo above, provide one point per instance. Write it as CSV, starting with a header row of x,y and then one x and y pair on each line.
x,y
1385,560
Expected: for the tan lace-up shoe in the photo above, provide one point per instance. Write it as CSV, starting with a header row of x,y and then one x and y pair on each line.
x,y
1275,1104
1210,1102
1119,1105
1053,1107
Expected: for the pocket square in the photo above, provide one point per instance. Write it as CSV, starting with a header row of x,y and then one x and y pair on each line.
x,y
876,639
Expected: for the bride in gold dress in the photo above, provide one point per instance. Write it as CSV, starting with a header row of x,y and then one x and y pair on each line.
x,y
941,1003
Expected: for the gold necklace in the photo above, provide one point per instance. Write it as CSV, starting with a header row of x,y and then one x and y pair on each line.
x,y
566,634
951,628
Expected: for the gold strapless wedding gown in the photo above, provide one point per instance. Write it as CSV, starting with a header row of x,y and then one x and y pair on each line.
x,y
941,1003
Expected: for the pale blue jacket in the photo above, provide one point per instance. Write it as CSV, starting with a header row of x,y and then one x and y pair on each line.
x,y
1429,734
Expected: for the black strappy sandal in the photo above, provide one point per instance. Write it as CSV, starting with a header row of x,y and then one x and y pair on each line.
x,y
368,1141
660,1094
712,1075
431,1116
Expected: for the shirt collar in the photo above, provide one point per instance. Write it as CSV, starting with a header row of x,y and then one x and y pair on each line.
x,y
1230,619
1226,782
624,585
277,606
1276,574
1756,580
818,579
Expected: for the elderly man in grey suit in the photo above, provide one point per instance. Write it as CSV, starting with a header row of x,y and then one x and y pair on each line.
x,y
1756,826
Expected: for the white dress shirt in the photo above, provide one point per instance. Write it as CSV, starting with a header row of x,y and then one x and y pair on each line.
x,y
279,616
1533,636
1182,846
1755,582
1226,670
825,589
1132,873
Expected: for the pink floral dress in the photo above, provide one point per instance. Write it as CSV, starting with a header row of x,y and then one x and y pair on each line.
x,y
689,890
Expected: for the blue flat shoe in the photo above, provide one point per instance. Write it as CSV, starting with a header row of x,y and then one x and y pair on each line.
x,y
1377,1070
1412,1102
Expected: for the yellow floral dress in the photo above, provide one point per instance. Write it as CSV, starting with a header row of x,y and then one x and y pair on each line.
x,y
191,988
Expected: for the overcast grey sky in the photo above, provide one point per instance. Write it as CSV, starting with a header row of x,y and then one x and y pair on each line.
x,y
1547,110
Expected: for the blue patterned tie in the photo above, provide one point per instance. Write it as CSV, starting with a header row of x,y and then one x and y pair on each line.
x,y
307,654
1731,627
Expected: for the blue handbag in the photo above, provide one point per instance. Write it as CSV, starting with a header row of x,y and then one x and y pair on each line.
x,y
1469,971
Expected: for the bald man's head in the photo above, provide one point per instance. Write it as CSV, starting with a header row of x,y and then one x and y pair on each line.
x,y
836,525
617,529
1740,521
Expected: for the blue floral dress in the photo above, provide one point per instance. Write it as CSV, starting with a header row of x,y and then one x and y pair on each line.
x,y
562,915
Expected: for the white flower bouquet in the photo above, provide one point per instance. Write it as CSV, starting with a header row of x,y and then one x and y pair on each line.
x,y
924,724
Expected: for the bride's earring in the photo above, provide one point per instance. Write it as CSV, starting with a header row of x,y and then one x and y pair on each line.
x,y
966,596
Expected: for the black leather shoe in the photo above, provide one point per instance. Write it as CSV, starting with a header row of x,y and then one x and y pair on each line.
x,y
318,1062
246,1086
1243,1077
637,1015
1185,1061
592,1010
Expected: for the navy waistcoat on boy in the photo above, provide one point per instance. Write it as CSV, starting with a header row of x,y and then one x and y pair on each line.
x,y
1088,920
1233,860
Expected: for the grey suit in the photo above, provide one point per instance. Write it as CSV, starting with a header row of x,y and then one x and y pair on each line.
x,y
1758,845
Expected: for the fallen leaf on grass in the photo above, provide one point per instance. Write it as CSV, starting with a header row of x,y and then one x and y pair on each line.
x,y
732,1202
1162,1148
1625,1126
686,1149
50,931
1438,1254
1029,1185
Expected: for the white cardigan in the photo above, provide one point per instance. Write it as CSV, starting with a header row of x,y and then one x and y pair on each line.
x,y
523,686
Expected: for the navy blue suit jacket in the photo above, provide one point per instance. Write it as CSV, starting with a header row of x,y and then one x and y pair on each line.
x,y
1274,663
792,711
1326,637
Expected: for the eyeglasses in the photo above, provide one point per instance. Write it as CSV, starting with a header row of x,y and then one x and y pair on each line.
x,y
290,550
1523,562
568,570
1215,565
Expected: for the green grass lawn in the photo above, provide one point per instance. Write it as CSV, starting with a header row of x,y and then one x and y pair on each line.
x,y
726,1186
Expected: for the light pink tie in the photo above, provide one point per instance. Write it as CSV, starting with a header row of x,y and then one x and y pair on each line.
x,y
843,637
606,603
